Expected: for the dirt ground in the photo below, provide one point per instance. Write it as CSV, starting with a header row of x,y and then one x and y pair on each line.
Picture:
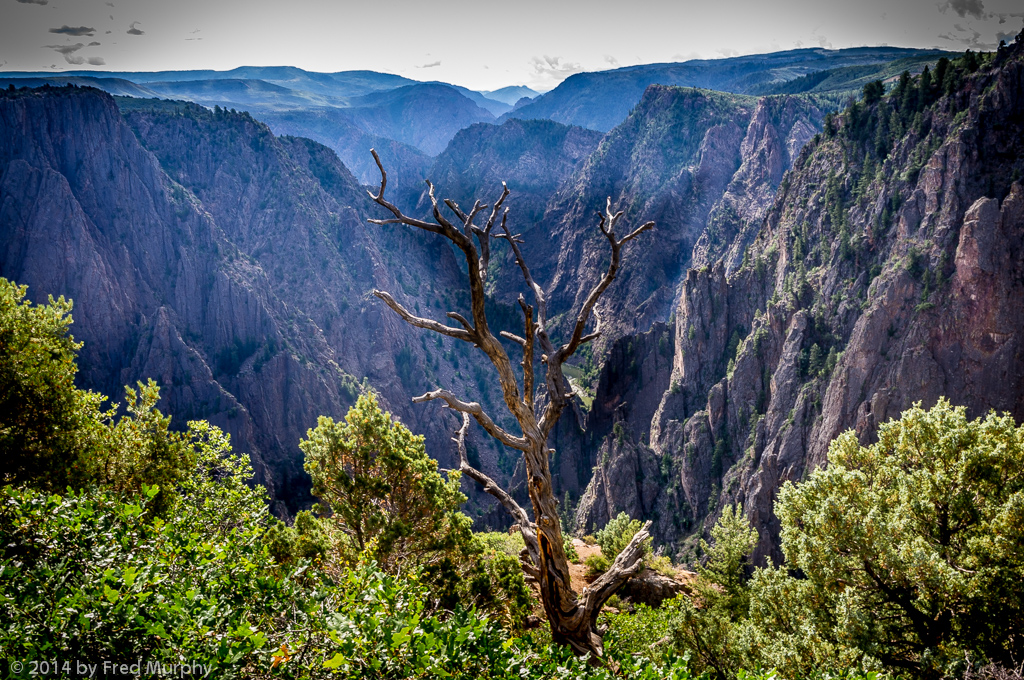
x,y
577,572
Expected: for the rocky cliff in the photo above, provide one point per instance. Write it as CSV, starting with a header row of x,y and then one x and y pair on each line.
x,y
702,165
889,269
233,266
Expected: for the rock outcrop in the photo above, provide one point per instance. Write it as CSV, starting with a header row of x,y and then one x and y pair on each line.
x,y
888,270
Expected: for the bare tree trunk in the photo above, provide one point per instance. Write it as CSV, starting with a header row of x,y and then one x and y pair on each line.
x,y
573,619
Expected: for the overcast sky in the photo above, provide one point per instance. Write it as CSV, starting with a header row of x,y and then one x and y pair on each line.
x,y
475,43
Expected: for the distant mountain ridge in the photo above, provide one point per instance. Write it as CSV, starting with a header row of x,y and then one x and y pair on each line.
x,y
410,121
601,100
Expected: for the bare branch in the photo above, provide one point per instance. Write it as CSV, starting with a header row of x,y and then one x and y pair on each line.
x,y
497,206
477,411
399,217
420,322
627,564
518,514
383,176
636,232
484,235
461,319
452,233
514,338
555,379
468,222
527,364
454,207
538,292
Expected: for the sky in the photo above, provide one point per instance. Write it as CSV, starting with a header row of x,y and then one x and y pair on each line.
x,y
478,44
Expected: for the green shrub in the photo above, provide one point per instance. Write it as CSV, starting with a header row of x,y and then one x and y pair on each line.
x,y
383,490
570,549
49,429
93,576
732,541
646,632
617,534
596,565
661,564
510,544
54,435
916,543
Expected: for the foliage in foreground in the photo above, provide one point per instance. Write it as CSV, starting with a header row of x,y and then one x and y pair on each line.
x,y
92,576
917,542
908,555
54,435
910,552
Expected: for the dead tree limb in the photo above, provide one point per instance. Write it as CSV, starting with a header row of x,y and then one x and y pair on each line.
x,y
573,619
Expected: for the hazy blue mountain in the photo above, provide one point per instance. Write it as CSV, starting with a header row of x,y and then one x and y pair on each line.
x,y
337,129
114,86
425,115
348,111
510,95
493,106
340,84
244,93
602,100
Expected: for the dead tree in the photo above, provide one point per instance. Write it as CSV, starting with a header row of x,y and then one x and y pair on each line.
x,y
573,619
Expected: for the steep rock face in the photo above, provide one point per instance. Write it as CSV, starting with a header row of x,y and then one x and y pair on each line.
x,y
87,213
888,271
702,165
233,266
532,157
778,130
628,475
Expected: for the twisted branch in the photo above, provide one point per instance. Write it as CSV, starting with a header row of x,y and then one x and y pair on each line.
x,y
468,335
526,527
477,411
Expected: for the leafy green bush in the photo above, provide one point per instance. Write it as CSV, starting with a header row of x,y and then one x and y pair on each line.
x,y
909,555
917,542
617,534
596,564
502,542
383,490
94,576
661,564
733,539
646,632
48,427
570,549
54,435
